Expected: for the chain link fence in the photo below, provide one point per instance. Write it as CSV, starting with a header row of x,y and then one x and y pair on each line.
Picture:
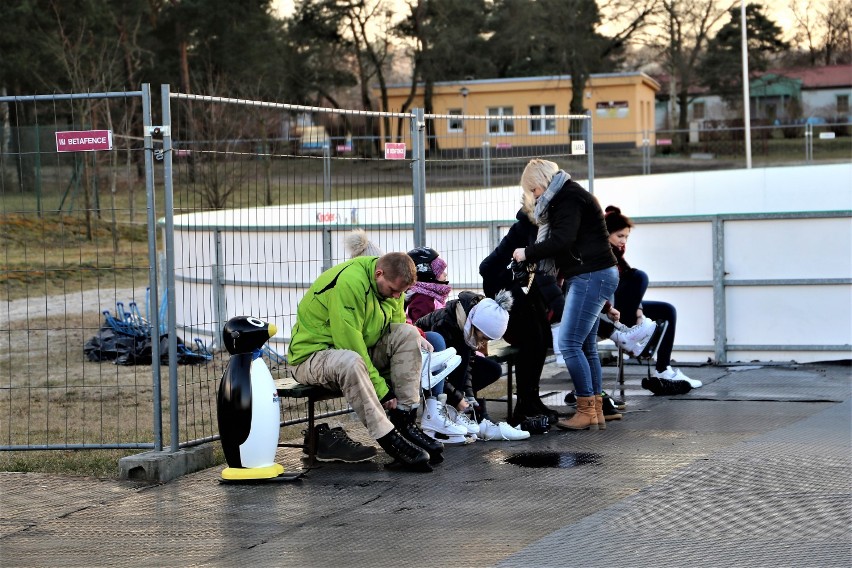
x,y
224,207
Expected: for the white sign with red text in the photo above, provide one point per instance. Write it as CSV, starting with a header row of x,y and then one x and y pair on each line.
x,y
394,150
83,140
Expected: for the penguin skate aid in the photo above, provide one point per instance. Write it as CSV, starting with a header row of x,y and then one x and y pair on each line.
x,y
350,336
248,416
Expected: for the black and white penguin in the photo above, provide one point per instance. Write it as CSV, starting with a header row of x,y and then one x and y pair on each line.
x,y
249,411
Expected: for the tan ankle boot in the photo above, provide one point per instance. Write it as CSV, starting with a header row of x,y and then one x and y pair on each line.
x,y
599,412
586,417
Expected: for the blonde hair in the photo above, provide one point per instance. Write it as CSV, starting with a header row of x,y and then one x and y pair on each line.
x,y
528,205
538,173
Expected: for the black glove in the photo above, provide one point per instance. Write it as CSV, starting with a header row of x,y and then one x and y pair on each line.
x,y
389,396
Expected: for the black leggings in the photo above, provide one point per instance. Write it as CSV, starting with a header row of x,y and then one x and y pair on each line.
x,y
631,289
528,330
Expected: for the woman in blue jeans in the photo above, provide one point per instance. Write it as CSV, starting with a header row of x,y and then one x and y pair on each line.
x,y
572,242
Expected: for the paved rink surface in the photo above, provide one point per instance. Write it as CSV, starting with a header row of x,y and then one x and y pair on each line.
x,y
753,469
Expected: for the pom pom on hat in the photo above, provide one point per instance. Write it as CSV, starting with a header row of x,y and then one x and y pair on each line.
x,y
491,317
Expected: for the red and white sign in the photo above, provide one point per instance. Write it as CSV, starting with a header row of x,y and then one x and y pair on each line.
x,y
83,140
664,141
394,150
504,145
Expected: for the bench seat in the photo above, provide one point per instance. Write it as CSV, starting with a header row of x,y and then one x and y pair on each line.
x,y
289,388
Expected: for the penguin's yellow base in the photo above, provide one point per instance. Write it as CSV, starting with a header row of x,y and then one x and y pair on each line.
x,y
252,473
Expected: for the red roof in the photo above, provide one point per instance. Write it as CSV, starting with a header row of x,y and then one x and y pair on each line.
x,y
829,77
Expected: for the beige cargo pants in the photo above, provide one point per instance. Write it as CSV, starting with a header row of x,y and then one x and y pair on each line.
x,y
396,356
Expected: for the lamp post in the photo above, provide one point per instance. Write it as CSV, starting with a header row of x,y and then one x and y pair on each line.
x,y
464,92
746,93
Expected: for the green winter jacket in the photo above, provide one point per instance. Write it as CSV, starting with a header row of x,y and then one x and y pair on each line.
x,y
342,310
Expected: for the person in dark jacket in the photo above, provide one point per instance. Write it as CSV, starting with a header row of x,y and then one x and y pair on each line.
x,y
629,298
534,308
467,324
572,242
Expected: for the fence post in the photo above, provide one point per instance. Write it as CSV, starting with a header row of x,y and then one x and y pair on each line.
x,y
326,195
153,291
217,277
720,322
486,164
418,174
809,143
169,215
590,149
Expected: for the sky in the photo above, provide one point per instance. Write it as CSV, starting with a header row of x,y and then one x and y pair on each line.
x,y
777,10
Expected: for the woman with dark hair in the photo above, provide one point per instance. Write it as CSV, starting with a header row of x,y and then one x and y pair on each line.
x,y
630,302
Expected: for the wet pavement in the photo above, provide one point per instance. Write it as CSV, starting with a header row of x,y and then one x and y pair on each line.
x,y
752,469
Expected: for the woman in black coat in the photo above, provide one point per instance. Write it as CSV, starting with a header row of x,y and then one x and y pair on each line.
x,y
535,307
572,242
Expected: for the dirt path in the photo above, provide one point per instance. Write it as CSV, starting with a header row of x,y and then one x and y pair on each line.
x,y
76,303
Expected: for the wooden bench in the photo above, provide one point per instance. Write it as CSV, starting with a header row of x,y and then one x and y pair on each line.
x,y
289,388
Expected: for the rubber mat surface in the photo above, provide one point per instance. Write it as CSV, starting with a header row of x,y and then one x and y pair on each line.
x,y
757,480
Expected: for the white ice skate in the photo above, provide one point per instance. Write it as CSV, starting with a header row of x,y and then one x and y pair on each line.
x,y
462,419
437,365
437,425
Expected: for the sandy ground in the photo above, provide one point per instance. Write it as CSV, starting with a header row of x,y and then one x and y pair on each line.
x,y
74,303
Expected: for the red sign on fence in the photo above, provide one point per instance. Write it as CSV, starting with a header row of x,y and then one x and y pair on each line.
x,y
83,140
394,150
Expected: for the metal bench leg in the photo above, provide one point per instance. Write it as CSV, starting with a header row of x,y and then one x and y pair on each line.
x,y
509,388
621,367
312,441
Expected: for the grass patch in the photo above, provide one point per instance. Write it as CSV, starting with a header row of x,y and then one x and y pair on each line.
x,y
93,463
54,254
90,463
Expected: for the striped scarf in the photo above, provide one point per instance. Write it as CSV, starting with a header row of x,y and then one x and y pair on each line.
x,y
548,265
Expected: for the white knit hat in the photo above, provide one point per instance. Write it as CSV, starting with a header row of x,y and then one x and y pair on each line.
x,y
492,317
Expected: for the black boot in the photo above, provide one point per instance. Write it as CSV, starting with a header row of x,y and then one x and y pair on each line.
x,y
526,408
404,453
406,422
552,415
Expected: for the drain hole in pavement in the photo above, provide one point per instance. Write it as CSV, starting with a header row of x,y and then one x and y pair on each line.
x,y
562,460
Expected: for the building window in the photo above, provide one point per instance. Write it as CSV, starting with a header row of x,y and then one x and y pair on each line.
x,y
455,124
542,125
698,111
842,104
501,125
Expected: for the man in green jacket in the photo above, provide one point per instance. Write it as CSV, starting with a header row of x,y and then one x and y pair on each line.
x,y
350,335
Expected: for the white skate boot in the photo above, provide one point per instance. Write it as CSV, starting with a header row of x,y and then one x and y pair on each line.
x,y
436,366
437,425
633,339
462,419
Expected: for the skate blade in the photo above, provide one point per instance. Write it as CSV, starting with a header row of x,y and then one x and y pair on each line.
x,y
397,465
452,439
654,341
440,358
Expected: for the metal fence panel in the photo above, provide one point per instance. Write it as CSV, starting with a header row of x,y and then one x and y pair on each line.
x,y
74,246
258,199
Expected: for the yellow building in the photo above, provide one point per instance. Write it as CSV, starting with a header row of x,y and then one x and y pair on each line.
x,y
513,112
